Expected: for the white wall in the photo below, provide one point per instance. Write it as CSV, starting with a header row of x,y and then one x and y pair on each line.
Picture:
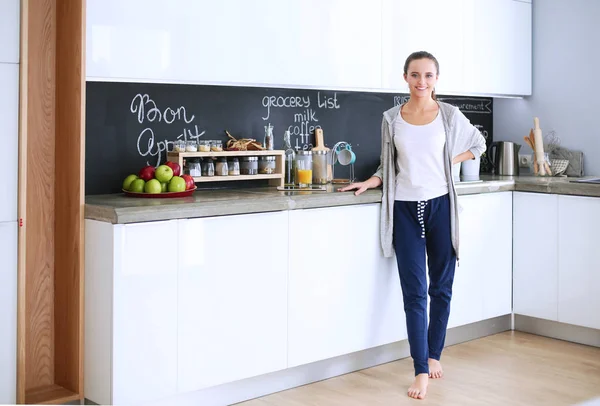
x,y
566,89
9,136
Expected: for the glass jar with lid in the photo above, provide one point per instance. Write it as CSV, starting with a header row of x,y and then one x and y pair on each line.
x,y
194,169
249,165
208,167
234,166
320,167
266,165
221,167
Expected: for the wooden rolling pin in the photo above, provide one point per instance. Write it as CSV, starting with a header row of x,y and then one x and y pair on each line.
x,y
539,146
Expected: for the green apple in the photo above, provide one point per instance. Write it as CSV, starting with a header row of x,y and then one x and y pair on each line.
x,y
152,186
163,173
128,180
177,184
137,186
164,186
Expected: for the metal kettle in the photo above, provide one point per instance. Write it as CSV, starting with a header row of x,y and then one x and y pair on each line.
x,y
505,160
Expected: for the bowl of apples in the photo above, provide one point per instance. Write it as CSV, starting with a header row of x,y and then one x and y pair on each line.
x,y
159,182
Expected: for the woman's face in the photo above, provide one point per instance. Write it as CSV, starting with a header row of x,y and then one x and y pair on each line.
x,y
421,77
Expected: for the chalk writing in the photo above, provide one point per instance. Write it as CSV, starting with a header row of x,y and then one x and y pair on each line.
x,y
147,112
280,101
141,102
306,121
467,105
400,100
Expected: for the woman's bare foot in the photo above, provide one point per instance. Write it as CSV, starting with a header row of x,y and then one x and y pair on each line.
x,y
435,368
418,389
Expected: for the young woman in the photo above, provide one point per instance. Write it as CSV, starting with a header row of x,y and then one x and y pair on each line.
x,y
420,142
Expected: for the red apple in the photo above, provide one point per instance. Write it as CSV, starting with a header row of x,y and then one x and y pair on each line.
x,y
175,166
147,173
189,182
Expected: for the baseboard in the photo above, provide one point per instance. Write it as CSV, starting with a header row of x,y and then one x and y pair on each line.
x,y
252,388
560,331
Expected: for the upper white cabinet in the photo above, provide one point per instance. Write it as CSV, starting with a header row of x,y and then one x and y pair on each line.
x,y
435,26
317,43
10,21
9,138
579,261
232,299
344,295
483,46
497,47
535,259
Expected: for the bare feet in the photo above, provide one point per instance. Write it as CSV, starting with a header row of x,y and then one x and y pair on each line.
x,y
418,389
435,368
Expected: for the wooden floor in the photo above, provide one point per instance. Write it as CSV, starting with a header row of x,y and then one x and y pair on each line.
x,y
510,368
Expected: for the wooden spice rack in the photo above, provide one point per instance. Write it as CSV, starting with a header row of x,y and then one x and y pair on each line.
x,y
275,179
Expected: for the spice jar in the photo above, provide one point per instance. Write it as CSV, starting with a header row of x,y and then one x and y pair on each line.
x,y
191,146
208,167
221,168
179,146
234,166
216,146
249,165
204,146
194,169
319,167
266,165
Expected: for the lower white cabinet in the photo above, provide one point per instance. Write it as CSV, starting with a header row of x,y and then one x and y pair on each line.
x,y
232,300
536,250
131,312
174,307
579,261
8,312
344,295
145,312
483,278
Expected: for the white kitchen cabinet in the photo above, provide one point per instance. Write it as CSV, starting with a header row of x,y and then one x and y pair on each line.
x,y
536,251
237,42
145,312
10,21
131,312
483,281
435,26
8,312
232,301
483,47
9,138
579,261
344,296
497,47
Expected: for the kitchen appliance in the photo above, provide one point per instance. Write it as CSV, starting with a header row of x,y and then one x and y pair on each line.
x,y
506,158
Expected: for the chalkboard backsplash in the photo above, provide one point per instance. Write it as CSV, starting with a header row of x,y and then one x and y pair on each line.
x,y
129,125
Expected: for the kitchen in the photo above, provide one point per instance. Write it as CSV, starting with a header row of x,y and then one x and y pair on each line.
x,y
111,321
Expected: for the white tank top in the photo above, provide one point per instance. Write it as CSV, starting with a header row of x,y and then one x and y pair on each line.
x,y
420,171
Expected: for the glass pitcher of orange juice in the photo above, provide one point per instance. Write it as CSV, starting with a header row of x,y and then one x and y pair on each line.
x,y
304,168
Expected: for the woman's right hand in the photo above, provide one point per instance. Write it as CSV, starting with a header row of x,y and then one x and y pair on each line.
x,y
359,186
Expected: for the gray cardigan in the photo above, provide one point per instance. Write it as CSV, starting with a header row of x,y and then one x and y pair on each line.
x,y
461,136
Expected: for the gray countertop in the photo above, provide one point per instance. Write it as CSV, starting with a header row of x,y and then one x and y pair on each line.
x,y
121,209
